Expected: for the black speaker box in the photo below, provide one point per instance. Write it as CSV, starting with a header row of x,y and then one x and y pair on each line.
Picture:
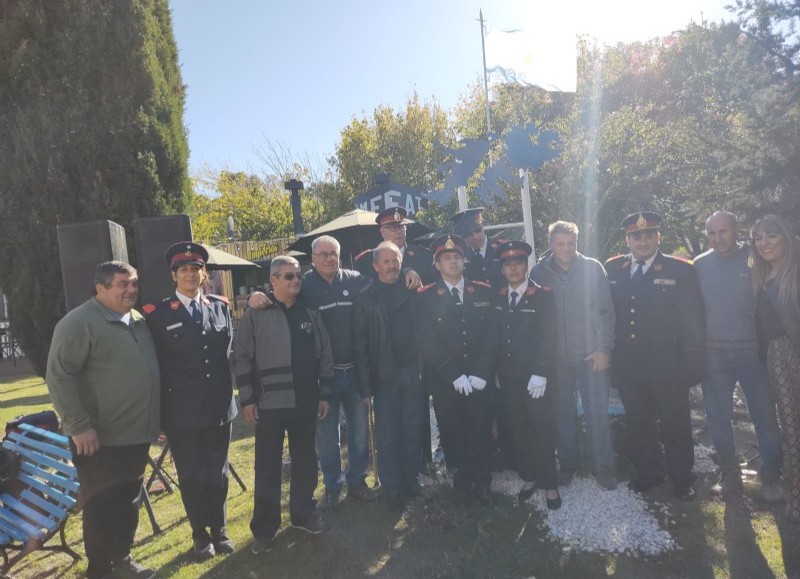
x,y
152,236
81,247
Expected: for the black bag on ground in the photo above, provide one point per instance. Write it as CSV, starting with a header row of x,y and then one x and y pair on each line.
x,y
46,420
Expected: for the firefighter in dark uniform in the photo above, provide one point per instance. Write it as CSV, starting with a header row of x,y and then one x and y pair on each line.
x,y
481,256
192,334
454,330
524,338
393,224
482,264
658,354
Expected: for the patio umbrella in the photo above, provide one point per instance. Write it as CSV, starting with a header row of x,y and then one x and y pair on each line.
x,y
218,259
355,230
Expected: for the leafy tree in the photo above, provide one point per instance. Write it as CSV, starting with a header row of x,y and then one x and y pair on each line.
x,y
398,143
260,208
91,105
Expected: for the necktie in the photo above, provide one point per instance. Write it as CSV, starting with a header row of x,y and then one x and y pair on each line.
x,y
478,254
637,275
456,296
194,309
513,304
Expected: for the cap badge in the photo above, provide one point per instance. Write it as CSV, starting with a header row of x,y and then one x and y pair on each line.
x,y
188,254
449,244
396,215
641,223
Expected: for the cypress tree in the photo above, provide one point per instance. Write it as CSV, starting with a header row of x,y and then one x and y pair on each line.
x,y
91,127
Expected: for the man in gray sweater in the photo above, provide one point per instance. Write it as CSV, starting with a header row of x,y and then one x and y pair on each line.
x,y
731,356
585,316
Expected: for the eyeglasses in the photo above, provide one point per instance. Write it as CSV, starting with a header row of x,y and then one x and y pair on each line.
x,y
395,226
289,276
326,255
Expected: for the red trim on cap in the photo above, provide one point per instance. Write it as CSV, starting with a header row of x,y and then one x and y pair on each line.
x,y
635,226
513,252
187,256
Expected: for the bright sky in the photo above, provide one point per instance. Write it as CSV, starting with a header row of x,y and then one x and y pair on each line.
x,y
297,71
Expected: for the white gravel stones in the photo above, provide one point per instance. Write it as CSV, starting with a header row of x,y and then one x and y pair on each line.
x,y
703,463
592,519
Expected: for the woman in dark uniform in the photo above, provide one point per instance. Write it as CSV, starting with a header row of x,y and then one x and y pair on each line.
x,y
192,333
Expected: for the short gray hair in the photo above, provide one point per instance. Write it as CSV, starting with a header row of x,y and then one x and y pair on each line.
x,y
278,262
326,239
567,227
376,253
105,272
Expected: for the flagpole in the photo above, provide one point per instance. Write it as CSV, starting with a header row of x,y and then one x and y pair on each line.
x,y
485,76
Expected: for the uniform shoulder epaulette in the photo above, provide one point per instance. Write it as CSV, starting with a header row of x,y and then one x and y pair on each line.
x,y
219,298
546,288
481,283
362,254
148,308
423,289
616,259
503,290
532,289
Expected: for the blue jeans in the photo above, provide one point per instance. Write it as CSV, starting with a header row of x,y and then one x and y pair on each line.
x,y
400,410
723,369
594,388
344,394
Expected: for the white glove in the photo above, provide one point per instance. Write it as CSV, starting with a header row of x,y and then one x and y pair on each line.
x,y
463,385
536,386
477,382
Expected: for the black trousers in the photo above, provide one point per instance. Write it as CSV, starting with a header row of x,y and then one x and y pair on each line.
x,y
465,430
201,459
111,483
271,429
532,431
658,413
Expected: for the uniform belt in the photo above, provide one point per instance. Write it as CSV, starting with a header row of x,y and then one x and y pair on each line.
x,y
344,367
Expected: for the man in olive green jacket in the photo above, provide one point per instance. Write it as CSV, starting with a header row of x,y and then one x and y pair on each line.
x,y
102,373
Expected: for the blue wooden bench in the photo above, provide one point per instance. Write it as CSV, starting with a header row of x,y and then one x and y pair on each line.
x,y
41,496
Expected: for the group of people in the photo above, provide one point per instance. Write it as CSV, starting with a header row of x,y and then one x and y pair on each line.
x,y
502,349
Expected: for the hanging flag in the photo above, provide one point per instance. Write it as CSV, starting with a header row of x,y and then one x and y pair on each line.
x,y
548,61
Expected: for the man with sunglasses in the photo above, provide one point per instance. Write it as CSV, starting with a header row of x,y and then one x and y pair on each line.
x,y
393,224
330,289
283,364
481,263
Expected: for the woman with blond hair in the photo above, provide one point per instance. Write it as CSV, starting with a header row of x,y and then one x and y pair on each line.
x,y
775,263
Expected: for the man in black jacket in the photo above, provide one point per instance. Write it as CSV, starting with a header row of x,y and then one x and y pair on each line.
x,y
454,339
393,223
658,354
388,363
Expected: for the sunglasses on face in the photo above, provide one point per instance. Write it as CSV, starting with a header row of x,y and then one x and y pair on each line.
x,y
327,255
291,275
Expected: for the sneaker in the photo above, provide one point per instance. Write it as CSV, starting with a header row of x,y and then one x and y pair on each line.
x,y
261,546
127,568
223,544
314,525
362,492
771,492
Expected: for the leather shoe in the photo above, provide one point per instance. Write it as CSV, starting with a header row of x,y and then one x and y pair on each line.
x,y
685,493
223,544
202,550
641,485
554,504
525,494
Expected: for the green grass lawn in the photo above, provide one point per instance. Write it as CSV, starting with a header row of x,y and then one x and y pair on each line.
x,y
434,538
